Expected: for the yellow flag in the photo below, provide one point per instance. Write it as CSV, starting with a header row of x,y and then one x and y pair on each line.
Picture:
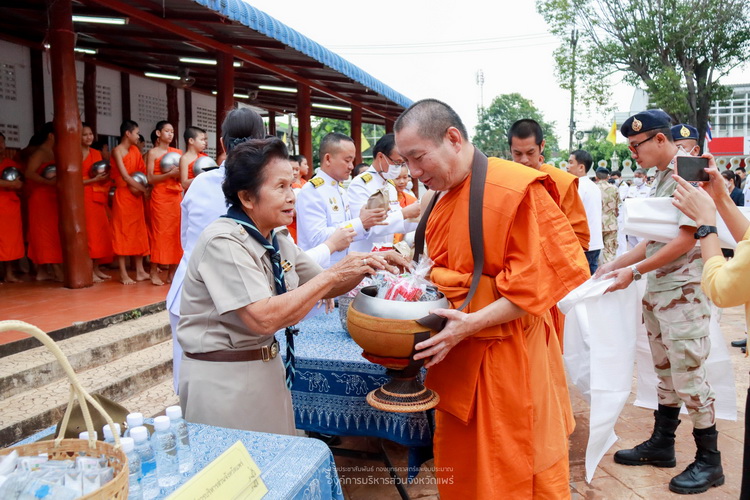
x,y
283,138
365,143
612,136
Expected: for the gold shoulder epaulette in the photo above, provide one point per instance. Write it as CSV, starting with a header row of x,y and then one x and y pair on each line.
x,y
317,182
367,177
390,181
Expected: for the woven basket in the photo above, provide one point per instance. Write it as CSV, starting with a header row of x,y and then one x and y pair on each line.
x,y
63,449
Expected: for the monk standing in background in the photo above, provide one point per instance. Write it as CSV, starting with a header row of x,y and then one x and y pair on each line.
x,y
130,235
196,143
504,416
95,194
526,141
165,205
45,248
11,224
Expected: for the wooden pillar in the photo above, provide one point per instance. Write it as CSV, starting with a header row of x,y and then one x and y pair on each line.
x,y
272,122
224,90
304,110
389,126
173,113
37,88
89,94
357,133
188,110
76,261
125,96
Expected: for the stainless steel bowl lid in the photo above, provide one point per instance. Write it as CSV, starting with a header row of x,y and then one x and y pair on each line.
x,y
98,168
204,163
140,177
11,174
366,303
169,161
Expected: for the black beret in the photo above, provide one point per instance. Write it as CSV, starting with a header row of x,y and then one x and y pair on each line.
x,y
683,131
603,170
644,121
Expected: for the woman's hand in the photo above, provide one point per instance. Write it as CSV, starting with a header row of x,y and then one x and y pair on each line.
x,y
358,265
395,259
696,203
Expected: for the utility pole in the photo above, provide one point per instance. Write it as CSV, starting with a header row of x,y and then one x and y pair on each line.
x,y
573,43
480,82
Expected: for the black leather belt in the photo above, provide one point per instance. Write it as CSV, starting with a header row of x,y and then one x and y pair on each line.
x,y
263,353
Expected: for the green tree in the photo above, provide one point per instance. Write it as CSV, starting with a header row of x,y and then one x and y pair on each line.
x,y
492,130
677,49
600,149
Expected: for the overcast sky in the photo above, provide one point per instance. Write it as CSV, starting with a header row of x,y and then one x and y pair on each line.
x,y
435,48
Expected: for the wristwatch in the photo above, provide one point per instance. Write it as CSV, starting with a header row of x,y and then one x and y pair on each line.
x,y
636,273
704,231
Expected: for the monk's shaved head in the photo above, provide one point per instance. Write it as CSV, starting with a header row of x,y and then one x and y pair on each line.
x,y
432,119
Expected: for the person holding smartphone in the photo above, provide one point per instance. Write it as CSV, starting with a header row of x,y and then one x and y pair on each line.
x,y
724,281
676,313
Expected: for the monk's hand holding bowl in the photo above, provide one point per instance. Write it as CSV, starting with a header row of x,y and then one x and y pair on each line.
x,y
458,327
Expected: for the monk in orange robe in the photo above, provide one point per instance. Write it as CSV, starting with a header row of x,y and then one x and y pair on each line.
x,y
95,194
297,183
11,224
45,248
164,231
130,234
196,141
405,197
526,141
504,416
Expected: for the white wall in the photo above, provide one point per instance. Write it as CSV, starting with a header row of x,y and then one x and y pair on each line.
x,y
204,116
16,112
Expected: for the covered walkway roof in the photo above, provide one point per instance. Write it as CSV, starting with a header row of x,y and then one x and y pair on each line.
x,y
158,35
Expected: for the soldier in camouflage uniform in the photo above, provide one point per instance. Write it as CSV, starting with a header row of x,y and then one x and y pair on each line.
x,y
676,314
610,211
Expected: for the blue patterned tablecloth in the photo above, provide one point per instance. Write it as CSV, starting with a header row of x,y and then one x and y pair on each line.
x,y
291,467
331,384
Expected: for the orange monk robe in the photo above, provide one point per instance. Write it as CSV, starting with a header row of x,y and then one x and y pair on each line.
x,y
504,415
44,231
572,206
166,247
191,173
98,227
129,232
293,226
11,223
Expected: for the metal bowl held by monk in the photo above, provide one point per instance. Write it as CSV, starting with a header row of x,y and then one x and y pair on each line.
x,y
49,172
11,174
169,161
140,178
204,164
99,167
387,331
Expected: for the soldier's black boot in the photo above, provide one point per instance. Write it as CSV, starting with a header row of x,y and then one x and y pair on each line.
x,y
706,471
659,449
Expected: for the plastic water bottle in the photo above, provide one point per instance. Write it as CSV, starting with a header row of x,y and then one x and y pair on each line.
x,y
164,443
85,435
108,436
180,429
149,480
134,420
134,468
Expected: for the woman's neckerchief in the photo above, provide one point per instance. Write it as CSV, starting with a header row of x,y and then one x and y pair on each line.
x,y
238,215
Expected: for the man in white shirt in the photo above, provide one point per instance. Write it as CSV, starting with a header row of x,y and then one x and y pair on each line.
x,y
639,189
579,163
386,166
323,205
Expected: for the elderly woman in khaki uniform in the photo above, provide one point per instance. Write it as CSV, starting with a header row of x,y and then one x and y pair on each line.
x,y
233,302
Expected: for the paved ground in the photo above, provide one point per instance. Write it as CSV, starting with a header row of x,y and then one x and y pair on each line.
x,y
368,479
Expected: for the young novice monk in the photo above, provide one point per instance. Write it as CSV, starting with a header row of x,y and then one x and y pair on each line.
x,y
95,194
195,139
130,235
11,225
165,205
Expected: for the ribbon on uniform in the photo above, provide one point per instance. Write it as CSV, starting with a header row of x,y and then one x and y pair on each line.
x,y
239,216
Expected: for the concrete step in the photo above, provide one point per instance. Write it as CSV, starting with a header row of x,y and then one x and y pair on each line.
x,y
37,367
25,413
153,401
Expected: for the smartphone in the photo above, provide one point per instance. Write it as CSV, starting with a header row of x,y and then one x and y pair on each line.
x,y
691,168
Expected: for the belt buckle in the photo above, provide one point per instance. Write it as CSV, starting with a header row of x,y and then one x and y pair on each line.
x,y
268,353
